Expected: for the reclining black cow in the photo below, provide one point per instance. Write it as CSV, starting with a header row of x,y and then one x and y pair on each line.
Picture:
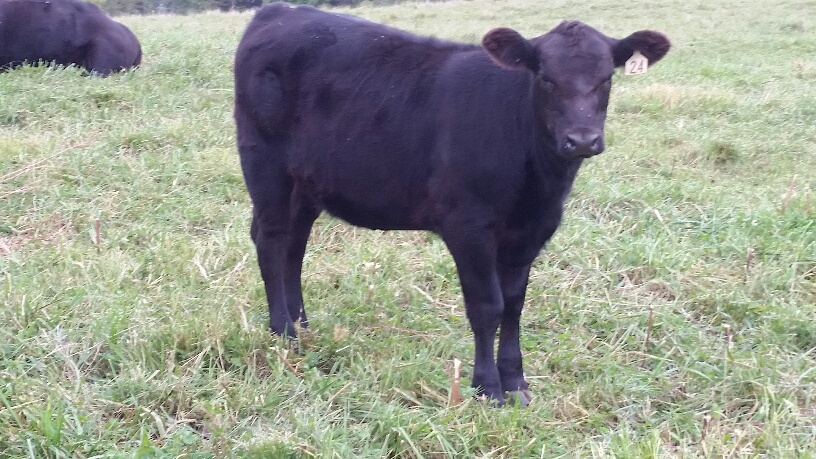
x,y
389,130
66,32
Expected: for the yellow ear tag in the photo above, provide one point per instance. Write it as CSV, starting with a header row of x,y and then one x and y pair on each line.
x,y
636,65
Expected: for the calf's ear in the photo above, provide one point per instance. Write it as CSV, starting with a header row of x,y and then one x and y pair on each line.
x,y
653,45
510,50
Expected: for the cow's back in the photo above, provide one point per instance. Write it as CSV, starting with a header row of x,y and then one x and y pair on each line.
x,y
304,49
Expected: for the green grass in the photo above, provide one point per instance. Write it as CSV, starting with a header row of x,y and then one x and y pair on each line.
x,y
151,340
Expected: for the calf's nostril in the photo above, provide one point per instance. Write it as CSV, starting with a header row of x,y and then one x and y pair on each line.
x,y
596,143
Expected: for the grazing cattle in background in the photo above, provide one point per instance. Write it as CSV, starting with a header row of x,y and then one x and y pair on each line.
x,y
388,130
66,32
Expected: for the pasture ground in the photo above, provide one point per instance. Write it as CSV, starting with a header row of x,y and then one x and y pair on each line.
x,y
149,338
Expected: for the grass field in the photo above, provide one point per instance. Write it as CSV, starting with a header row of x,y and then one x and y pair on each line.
x,y
148,337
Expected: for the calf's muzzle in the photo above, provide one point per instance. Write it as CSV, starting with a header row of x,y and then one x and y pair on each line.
x,y
583,144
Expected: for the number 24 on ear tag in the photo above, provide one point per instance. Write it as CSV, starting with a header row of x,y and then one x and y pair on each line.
x,y
636,65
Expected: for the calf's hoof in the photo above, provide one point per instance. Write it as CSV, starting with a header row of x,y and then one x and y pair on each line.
x,y
519,397
288,342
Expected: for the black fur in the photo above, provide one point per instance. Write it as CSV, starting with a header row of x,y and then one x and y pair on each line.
x,y
66,32
390,130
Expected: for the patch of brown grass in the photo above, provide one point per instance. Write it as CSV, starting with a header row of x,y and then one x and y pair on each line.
x,y
46,231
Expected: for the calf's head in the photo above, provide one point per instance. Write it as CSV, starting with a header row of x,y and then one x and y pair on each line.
x,y
572,67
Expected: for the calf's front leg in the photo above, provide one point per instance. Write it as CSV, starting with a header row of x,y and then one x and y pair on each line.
x,y
509,361
475,257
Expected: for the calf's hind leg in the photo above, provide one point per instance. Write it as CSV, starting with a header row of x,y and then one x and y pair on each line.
x,y
303,215
270,189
